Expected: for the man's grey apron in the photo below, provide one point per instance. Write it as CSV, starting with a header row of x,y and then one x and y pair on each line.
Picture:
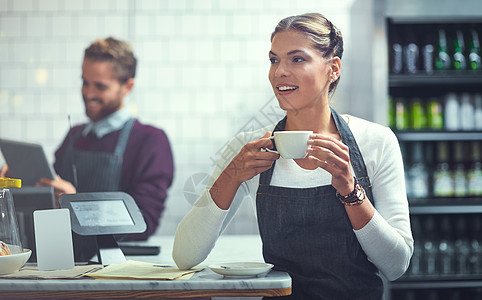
x,y
92,171
95,171
307,233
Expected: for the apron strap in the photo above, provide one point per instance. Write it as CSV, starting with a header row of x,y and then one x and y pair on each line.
x,y
124,137
265,177
356,159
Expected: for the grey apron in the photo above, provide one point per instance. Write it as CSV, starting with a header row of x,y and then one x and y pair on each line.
x,y
92,171
307,233
95,171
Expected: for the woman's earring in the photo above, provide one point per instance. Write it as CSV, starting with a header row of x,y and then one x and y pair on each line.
x,y
331,80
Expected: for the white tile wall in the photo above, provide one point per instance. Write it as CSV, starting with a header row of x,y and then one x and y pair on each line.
x,y
202,72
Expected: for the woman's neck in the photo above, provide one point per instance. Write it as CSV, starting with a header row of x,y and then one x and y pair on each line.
x,y
318,121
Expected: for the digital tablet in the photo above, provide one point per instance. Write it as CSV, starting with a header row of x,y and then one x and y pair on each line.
x,y
103,213
26,161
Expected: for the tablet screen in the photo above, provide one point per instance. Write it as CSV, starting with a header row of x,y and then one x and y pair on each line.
x,y
102,213
26,161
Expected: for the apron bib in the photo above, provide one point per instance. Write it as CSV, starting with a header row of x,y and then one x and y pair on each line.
x,y
307,233
96,171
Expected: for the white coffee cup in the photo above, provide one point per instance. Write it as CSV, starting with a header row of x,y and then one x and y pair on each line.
x,y
291,144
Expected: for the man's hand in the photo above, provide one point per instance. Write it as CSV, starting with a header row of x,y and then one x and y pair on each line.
x,y
4,171
60,187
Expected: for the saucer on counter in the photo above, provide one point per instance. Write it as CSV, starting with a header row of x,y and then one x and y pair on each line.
x,y
241,268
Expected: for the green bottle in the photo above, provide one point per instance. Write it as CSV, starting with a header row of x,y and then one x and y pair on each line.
x,y
460,63
418,117
460,180
391,112
442,59
401,114
443,183
474,55
435,118
474,173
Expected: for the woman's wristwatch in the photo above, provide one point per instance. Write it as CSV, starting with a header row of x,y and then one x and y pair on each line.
x,y
356,197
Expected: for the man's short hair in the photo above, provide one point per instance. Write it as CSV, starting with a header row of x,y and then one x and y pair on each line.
x,y
118,52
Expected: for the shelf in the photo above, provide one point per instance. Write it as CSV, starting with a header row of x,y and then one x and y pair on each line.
x,y
413,136
450,78
435,19
446,209
439,282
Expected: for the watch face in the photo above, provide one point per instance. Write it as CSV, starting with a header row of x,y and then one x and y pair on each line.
x,y
359,193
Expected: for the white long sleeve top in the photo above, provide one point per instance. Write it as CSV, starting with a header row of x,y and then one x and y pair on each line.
x,y
386,238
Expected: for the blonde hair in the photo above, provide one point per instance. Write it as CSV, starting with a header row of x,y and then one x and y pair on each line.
x,y
326,37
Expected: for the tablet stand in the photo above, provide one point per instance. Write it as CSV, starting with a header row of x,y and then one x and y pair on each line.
x,y
108,250
88,216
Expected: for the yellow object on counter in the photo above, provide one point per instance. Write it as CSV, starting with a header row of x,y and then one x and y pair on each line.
x,y
6,183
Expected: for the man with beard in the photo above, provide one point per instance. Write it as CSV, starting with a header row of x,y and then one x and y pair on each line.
x,y
114,151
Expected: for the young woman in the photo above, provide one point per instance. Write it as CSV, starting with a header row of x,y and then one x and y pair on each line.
x,y
333,220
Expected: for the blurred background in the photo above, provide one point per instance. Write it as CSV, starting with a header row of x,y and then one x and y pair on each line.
x,y
202,77
202,73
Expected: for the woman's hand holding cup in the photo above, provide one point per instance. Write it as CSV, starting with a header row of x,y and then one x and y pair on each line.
x,y
251,160
333,156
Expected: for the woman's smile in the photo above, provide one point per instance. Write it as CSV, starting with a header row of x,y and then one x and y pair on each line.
x,y
286,89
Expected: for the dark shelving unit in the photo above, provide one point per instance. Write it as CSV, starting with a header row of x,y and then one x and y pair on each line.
x,y
436,84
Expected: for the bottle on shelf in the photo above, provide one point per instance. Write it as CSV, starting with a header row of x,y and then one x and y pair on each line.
x,y
475,246
415,268
396,51
442,60
435,119
451,112
417,174
462,246
474,173
474,55
460,62
460,180
478,111
443,183
401,114
467,112
391,112
430,247
418,116
411,52
427,49
446,248
405,156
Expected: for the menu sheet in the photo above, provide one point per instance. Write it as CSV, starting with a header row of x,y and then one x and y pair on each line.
x,y
32,272
141,270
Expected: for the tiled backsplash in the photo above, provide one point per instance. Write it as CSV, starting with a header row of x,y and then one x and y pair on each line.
x,y
202,72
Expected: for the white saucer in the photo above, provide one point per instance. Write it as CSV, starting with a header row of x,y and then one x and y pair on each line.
x,y
241,268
